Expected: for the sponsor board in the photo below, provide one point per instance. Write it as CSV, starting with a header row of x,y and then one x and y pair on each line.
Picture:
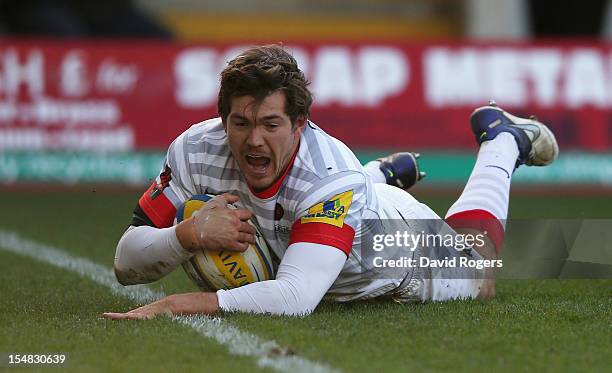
x,y
132,96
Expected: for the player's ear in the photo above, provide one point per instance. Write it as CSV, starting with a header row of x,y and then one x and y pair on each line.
x,y
299,124
224,121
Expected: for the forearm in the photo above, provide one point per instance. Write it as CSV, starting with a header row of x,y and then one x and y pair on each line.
x,y
193,303
173,305
146,254
306,273
273,297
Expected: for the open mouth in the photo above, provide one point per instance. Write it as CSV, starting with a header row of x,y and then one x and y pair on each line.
x,y
258,163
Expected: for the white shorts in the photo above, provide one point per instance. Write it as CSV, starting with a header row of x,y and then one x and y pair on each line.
x,y
430,283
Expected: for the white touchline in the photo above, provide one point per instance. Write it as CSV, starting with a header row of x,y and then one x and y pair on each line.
x,y
268,353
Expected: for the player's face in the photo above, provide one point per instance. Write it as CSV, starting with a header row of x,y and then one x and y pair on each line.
x,y
262,138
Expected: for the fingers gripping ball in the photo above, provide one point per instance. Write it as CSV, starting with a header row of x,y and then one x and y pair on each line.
x,y
214,270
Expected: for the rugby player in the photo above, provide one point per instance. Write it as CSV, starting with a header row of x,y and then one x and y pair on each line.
x,y
265,154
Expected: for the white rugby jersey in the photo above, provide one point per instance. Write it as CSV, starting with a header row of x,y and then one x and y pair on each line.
x,y
323,197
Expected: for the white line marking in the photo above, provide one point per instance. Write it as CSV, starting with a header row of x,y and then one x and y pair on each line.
x,y
268,353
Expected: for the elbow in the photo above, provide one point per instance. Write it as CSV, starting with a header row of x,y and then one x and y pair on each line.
x,y
124,266
121,270
305,312
120,277
309,306
301,310
299,302
123,275
129,274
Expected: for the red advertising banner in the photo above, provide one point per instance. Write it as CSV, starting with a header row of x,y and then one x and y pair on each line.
x,y
137,95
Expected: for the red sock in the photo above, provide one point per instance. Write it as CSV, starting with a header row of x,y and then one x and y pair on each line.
x,y
482,221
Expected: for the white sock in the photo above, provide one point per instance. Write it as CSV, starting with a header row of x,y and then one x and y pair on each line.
x,y
372,168
488,187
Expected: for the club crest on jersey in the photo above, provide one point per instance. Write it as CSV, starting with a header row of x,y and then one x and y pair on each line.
x,y
164,182
332,211
278,211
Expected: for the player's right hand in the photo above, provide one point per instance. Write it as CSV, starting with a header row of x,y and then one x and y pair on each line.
x,y
216,226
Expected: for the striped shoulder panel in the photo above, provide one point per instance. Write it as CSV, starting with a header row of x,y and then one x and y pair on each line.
x,y
207,158
327,155
208,130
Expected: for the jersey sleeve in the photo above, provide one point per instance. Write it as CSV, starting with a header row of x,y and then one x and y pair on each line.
x,y
305,274
158,205
331,211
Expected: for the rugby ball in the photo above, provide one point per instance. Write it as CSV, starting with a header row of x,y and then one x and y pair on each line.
x,y
214,270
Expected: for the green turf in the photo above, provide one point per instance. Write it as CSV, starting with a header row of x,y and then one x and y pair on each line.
x,y
536,325
46,309
532,325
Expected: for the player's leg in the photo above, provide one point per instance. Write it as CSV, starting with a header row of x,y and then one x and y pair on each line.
x,y
427,282
399,169
483,205
506,142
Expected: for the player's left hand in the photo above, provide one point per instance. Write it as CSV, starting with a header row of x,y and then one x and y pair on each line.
x,y
176,304
147,312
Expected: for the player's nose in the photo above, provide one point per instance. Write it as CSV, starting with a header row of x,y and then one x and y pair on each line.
x,y
255,137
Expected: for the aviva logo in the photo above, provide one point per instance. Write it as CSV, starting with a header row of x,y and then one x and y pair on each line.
x,y
332,211
234,268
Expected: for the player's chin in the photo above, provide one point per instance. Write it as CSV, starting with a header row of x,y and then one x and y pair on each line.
x,y
259,179
260,183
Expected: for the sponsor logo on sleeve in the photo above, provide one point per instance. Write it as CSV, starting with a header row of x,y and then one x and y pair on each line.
x,y
332,211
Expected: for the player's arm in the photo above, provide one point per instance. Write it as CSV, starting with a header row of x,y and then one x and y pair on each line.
x,y
150,247
145,253
305,274
177,304
320,242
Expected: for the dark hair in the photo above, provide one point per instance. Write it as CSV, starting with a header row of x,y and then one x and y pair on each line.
x,y
260,71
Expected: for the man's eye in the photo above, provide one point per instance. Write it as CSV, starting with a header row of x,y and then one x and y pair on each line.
x,y
241,124
271,125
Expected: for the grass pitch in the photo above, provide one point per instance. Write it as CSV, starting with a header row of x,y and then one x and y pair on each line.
x,y
546,325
